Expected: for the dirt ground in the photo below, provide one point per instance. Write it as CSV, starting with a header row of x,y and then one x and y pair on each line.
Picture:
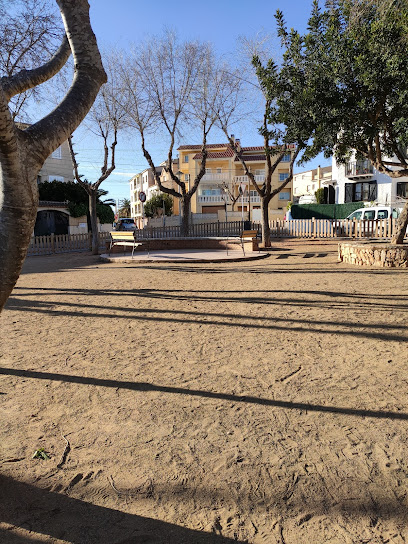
x,y
259,402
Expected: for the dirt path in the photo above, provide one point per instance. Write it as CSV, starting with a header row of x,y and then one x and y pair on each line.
x,y
260,402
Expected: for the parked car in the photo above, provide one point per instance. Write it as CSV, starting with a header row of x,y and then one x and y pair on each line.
x,y
307,199
125,223
366,220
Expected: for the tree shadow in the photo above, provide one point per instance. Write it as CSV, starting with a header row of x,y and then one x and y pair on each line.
x,y
40,512
323,299
380,331
149,387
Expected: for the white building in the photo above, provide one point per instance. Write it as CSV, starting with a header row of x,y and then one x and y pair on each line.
x,y
142,182
308,182
359,181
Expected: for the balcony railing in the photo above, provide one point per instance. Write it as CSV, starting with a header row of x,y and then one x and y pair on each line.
x,y
222,176
358,169
210,198
244,179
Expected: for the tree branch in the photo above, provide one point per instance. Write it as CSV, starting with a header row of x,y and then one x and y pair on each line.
x,y
27,79
89,75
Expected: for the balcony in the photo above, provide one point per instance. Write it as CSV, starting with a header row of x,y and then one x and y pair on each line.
x,y
359,170
220,177
245,179
213,199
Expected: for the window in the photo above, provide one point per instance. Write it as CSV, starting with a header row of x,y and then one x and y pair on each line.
x,y
219,170
283,176
57,154
382,214
357,192
284,195
211,192
308,188
355,215
370,214
259,172
55,178
208,170
402,189
185,158
286,158
186,177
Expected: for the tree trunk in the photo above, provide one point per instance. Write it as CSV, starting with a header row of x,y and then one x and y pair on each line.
x,y
17,219
398,236
266,231
94,221
185,215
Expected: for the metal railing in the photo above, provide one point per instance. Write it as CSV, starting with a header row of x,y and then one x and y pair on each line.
x,y
359,168
296,228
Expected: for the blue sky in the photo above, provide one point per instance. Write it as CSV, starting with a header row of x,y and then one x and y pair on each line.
x,y
220,22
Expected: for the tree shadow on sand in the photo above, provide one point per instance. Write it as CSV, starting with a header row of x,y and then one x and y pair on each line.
x,y
28,512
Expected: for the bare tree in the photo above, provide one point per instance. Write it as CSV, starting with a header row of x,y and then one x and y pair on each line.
x,y
275,144
170,87
23,152
28,37
104,120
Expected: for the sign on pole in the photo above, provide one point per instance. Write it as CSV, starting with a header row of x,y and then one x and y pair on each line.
x,y
142,196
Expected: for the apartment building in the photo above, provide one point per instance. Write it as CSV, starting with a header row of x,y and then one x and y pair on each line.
x,y
224,170
145,182
308,182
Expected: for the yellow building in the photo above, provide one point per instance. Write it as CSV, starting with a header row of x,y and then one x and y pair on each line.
x,y
223,169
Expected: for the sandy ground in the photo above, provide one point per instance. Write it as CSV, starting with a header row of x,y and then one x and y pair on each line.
x,y
259,402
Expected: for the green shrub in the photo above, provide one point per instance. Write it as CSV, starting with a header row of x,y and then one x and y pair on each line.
x,y
319,194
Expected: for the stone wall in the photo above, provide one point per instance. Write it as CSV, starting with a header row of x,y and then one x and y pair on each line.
x,y
378,254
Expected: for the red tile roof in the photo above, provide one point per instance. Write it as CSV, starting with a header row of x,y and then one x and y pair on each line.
x,y
216,154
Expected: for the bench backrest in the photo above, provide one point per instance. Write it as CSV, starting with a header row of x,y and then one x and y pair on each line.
x,y
249,234
122,235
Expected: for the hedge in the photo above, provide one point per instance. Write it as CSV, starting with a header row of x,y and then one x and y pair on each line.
x,y
324,211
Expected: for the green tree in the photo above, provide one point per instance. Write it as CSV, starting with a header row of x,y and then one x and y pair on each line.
x,y
157,202
124,210
77,199
351,75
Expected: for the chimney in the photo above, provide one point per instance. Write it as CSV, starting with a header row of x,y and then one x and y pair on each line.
x,y
238,144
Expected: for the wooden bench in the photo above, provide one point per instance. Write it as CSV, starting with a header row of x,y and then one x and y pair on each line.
x,y
251,235
125,239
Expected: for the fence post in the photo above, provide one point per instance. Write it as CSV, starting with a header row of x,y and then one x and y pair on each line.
x,y
52,243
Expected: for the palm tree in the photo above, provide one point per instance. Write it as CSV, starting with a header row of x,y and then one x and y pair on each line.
x,y
124,210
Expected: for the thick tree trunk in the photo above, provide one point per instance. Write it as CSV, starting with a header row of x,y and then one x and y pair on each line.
x,y
266,231
22,152
398,236
17,220
94,221
185,214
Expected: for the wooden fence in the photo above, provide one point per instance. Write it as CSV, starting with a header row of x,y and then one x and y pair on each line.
x,y
334,228
297,228
63,243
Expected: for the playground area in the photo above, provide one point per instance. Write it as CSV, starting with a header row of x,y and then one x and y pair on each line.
x,y
260,402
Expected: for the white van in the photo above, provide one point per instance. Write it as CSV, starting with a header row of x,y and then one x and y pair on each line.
x,y
369,217
375,212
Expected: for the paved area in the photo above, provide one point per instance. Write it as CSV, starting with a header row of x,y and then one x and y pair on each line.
x,y
186,255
